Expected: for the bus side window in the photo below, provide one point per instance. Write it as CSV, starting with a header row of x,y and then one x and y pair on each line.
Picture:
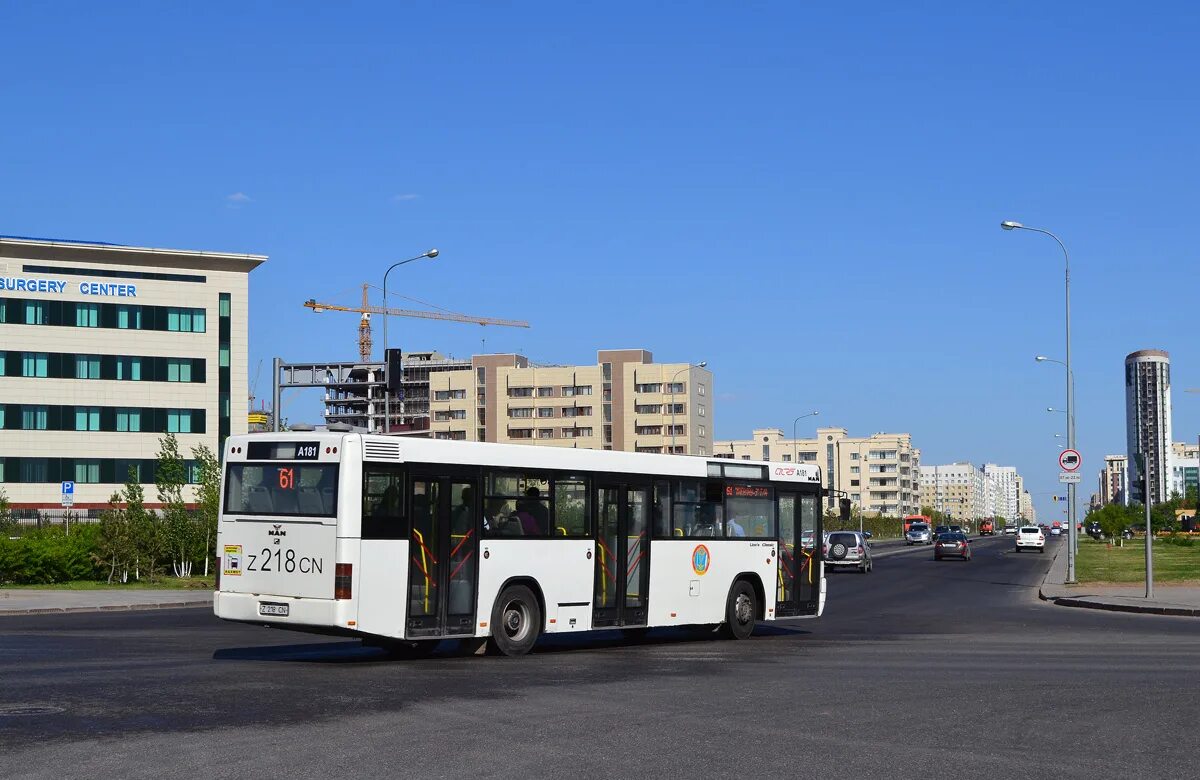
x,y
383,507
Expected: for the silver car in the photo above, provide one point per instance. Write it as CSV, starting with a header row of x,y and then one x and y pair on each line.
x,y
849,548
918,533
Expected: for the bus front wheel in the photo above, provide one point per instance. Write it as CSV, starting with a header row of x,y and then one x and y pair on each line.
x,y
516,621
740,611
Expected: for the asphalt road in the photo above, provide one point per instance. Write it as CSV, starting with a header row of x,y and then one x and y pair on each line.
x,y
920,669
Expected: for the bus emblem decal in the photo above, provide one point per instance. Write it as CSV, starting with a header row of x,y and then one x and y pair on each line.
x,y
700,559
277,530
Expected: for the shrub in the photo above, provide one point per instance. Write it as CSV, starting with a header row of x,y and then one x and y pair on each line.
x,y
49,555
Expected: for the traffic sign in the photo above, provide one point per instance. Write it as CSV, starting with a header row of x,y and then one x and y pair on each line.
x,y
1069,460
68,488
1070,477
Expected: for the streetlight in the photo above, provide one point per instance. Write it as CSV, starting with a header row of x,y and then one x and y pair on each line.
x,y
701,364
1071,536
795,443
1070,385
387,401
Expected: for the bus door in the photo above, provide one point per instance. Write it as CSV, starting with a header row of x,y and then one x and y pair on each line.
x,y
797,585
622,583
442,562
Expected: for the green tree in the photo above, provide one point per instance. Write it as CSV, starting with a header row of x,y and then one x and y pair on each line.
x,y
179,530
8,525
208,499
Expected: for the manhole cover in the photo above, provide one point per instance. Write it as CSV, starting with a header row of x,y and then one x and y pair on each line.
x,y
17,710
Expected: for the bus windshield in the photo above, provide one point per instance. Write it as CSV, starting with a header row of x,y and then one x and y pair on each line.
x,y
293,489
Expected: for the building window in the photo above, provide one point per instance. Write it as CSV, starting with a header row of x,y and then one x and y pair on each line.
x,y
854,456
647,408
129,420
129,317
787,458
545,433
87,315
87,418
179,370
576,390
673,409
87,471
449,395
653,387
35,313
33,418
520,392
3,358
648,430
481,376
766,452
129,369
225,306
522,411
545,411
179,421
223,356
452,414
676,387
185,320
700,390
34,364
854,469
545,392
87,366
701,430
34,470
700,411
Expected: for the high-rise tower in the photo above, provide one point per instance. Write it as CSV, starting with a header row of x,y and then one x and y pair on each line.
x,y
1148,422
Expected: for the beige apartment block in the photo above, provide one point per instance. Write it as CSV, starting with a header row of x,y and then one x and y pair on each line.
x,y
625,401
1114,479
1028,513
880,473
105,348
958,489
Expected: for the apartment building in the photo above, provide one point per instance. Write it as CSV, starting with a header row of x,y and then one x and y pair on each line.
x,y
105,348
1148,422
879,473
624,401
960,490
1028,513
1114,480
1003,487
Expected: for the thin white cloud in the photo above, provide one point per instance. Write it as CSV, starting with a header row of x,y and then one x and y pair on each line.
x,y
406,196
237,200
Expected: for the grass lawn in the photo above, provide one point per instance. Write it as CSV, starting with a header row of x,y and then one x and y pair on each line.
x,y
1172,563
161,583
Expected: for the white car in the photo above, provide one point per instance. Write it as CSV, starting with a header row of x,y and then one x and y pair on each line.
x,y
1010,530
1030,536
1055,531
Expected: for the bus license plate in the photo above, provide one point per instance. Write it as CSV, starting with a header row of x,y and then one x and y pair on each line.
x,y
278,610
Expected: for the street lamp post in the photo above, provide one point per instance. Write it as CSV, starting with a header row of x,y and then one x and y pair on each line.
x,y
387,400
795,442
701,364
1071,535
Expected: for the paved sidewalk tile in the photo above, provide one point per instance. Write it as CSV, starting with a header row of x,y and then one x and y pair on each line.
x,y
31,602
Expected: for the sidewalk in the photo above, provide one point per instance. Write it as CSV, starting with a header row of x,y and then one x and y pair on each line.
x,y
39,602
1168,599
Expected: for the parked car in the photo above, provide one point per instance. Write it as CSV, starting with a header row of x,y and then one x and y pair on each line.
x,y
1094,530
1010,530
1031,537
918,533
848,548
952,544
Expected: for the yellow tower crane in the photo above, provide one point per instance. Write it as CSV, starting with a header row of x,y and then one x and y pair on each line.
x,y
366,310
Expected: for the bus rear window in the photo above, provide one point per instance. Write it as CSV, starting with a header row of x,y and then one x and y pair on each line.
x,y
293,489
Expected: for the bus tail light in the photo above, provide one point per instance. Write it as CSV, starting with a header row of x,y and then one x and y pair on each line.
x,y
343,573
217,572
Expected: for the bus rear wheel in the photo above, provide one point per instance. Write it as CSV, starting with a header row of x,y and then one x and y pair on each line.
x,y
740,611
516,621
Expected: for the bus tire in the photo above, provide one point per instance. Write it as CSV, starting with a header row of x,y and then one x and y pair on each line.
x,y
516,621
741,611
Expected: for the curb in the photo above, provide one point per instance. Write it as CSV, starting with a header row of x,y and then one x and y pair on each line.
x,y
105,608
1109,606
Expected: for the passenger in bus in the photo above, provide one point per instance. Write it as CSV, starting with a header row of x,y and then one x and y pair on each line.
x,y
707,523
532,513
734,528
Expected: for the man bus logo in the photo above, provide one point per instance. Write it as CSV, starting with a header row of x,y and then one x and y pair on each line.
x,y
700,559
276,530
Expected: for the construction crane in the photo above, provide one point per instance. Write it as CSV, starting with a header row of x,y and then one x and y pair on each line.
x,y
366,310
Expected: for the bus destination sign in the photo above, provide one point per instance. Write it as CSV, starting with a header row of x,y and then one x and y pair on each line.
x,y
282,450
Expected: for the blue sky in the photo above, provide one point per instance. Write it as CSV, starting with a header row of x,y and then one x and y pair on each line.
x,y
806,196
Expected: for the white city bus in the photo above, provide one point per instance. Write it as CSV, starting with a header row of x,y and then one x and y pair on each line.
x,y
405,542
